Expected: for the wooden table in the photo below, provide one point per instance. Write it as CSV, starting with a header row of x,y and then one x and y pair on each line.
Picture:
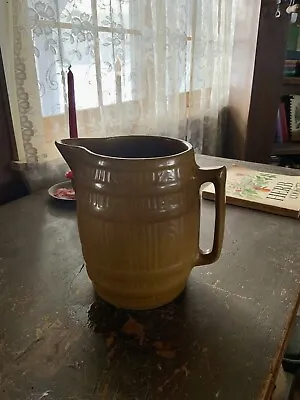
x,y
222,339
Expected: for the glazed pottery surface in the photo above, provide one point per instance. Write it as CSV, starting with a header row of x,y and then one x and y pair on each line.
x,y
138,211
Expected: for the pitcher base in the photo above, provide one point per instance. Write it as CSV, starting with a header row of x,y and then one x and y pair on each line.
x,y
141,303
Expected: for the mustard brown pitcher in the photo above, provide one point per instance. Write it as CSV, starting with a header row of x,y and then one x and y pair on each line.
x,y
138,211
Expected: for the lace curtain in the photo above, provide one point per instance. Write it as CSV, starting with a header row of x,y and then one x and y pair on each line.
x,y
140,67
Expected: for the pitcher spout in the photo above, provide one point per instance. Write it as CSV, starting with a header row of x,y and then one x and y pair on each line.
x,y
71,150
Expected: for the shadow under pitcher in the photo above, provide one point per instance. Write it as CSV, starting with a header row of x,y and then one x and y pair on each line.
x,y
138,211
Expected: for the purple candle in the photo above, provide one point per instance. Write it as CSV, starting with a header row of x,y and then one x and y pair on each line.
x,y
72,105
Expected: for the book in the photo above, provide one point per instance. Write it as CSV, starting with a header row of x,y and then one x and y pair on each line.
x,y
278,132
295,118
293,35
284,125
287,103
291,67
264,191
279,128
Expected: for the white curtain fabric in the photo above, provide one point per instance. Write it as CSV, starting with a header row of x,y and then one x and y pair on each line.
x,y
140,67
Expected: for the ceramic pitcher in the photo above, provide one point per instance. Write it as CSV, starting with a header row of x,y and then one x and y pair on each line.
x,y
138,211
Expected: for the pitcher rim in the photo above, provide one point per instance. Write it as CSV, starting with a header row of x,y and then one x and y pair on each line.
x,y
188,145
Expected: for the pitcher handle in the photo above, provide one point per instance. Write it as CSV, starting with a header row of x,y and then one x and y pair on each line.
x,y
217,176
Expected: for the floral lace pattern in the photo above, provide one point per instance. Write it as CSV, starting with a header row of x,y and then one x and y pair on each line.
x,y
133,63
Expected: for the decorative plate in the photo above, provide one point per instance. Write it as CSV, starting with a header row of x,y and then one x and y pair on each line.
x,y
62,191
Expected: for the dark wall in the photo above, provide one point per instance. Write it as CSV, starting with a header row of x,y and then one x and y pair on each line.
x,y
11,185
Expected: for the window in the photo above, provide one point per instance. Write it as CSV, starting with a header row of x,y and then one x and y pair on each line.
x,y
101,40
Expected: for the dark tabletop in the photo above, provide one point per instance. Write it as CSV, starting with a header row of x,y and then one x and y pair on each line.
x,y
221,339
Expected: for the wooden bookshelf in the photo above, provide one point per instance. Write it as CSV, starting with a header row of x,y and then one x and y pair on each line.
x,y
286,149
291,85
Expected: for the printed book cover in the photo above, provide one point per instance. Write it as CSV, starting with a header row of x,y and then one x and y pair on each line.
x,y
278,194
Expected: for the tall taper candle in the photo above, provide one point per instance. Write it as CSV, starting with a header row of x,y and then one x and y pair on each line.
x,y
72,105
